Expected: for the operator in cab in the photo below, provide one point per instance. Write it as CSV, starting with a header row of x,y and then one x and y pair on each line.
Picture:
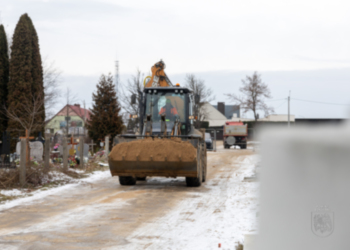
x,y
169,110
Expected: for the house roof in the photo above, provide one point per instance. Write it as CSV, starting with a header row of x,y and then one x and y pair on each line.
x,y
77,110
212,113
81,111
230,110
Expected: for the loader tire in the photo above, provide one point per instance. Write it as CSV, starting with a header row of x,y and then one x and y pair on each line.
x,y
127,180
196,181
193,182
141,178
243,145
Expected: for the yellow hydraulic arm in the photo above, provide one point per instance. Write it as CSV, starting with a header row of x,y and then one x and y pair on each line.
x,y
158,78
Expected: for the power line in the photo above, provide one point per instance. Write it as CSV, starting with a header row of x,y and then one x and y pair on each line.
x,y
276,100
281,104
328,103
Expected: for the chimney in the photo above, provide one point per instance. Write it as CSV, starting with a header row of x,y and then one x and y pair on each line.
x,y
221,107
78,105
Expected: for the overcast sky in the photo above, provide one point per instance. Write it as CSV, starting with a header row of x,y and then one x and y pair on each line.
x,y
299,46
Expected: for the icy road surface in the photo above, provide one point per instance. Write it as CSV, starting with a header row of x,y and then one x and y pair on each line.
x,y
159,213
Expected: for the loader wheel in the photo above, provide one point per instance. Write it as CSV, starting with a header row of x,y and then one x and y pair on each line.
x,y
193,181
127,180
244,145
141,178
196,181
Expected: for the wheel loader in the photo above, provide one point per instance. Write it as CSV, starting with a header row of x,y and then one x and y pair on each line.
x,y
167,143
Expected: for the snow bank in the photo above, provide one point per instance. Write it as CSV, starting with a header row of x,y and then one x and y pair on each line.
x,y
221,213
12,192
39,194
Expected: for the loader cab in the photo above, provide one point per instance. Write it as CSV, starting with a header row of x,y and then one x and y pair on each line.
x,y
174,102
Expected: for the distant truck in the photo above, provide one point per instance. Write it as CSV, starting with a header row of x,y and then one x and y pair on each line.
x,y
235,133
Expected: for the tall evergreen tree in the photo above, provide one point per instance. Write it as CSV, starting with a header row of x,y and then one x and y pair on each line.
x,y
37,75
4,78
25,88
105,118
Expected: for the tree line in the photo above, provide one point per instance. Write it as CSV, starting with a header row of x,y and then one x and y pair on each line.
x,y
25,99
28,92
21,80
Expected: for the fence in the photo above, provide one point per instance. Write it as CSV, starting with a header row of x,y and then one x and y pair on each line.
x,y
9,161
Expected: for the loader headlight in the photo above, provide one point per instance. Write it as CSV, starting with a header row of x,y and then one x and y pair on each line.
x,y
176,91
191,117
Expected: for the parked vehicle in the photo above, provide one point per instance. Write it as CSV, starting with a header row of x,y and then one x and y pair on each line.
x,y
235,134
208,141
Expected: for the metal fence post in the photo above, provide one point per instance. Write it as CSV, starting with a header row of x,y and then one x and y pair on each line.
x,y
65,154
23,161
107,147
47,152
81,151
92,147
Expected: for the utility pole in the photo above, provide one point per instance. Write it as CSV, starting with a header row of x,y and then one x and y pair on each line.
x,y
289,110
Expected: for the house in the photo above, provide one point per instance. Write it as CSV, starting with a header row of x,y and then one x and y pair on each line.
x,y
215,119
229,111
77,118
212,115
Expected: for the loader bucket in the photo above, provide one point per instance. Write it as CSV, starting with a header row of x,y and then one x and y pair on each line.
x,y
154,157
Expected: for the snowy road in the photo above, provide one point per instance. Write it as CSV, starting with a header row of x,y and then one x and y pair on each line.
x,y
160,213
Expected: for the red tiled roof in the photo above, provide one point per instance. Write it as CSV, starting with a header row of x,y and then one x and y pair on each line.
x,y
81,112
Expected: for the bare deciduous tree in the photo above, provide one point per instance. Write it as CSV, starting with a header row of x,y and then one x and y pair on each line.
x,y
52,79
254,91
133,87
70,98
27,112
205,95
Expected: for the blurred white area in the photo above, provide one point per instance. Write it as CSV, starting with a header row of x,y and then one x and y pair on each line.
x,y
305,184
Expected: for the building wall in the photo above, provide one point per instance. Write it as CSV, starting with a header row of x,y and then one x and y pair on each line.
x,y
278,118
58,122
315,121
